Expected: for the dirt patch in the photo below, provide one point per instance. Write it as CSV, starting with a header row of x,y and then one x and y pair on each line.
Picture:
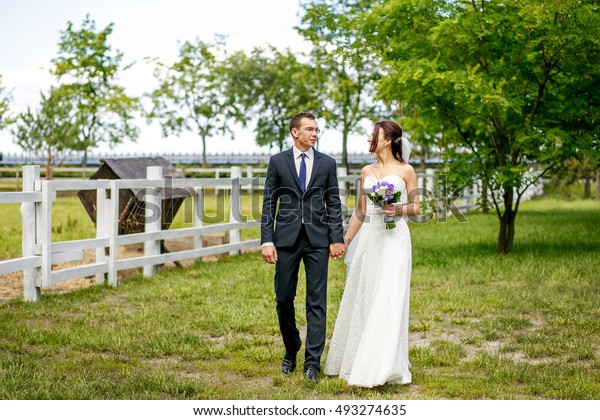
x,y
163,362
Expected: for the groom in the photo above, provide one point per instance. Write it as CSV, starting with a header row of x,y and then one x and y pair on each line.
x,y
306,226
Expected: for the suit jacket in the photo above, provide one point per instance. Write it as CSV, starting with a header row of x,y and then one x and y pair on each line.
x,y
319,208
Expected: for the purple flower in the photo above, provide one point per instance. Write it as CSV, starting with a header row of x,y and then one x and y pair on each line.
x,y
391,186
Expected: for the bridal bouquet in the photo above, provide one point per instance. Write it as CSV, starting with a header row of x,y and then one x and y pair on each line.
x,y
383,194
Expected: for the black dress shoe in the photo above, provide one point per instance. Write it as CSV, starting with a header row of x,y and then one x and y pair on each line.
x,y
288,364
312,374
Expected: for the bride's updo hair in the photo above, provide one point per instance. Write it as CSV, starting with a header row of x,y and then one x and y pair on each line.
x,y
391,131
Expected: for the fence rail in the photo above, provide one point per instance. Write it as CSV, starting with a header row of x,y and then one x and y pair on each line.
x,y
39,252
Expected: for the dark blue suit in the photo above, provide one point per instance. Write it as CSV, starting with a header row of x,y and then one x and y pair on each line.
x,y
302,228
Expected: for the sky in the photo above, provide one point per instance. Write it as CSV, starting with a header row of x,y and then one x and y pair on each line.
x,y
30,32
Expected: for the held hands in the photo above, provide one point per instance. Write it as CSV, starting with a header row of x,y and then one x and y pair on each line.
x,y
337,250
269,254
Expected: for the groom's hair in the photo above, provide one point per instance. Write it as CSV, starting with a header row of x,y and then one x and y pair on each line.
x,y
295,122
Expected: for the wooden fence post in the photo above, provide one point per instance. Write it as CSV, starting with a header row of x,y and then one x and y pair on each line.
x,y
429,184
153,223
44,232
113,232
102,227
198,210
217,176
249,175
31,289
427,188
235,206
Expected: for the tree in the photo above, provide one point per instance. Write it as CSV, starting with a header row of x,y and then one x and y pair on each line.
x,y
282,86
348,94
195,93
51,129
514,84
424,134
5,98
348,71
574,171
88,70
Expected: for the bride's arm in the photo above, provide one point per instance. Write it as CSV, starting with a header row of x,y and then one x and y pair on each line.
x,y
358,217
412,208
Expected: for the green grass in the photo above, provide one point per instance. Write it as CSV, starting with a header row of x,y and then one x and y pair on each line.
x,y
483,326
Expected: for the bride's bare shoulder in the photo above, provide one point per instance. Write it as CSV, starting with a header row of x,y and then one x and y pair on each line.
x,y
403,169
366,170
407,167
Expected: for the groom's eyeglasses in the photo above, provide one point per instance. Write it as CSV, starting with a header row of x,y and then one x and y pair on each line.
x,y
312,130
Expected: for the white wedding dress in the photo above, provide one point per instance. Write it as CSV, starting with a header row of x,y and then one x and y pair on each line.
x,y
369,346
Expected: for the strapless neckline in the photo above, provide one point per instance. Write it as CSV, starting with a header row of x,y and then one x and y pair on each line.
x,y
383,178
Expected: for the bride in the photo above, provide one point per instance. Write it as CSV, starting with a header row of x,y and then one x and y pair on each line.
x,y
369,346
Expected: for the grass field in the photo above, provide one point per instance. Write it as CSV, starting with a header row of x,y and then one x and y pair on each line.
x,y
483,326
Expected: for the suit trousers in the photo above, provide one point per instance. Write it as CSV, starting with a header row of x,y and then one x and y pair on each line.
x,y
316,261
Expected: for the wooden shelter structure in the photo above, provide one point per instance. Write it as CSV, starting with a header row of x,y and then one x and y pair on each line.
x,y
131,201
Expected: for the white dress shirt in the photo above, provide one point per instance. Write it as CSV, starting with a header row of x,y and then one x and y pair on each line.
x,y
309,160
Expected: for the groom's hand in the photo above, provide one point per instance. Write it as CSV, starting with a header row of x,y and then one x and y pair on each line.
x,y
337,250
269,254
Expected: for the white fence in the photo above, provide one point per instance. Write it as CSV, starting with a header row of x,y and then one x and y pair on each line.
x,y
39,252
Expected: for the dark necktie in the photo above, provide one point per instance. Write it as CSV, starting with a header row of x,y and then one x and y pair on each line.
x,y
302,175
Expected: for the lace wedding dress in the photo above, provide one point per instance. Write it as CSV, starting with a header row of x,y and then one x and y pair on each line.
x,y
369,346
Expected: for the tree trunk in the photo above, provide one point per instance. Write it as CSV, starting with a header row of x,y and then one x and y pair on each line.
x,y
345,149
506,235
484,196
84,162
203,150
49,164
587,186
423,164
598,184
